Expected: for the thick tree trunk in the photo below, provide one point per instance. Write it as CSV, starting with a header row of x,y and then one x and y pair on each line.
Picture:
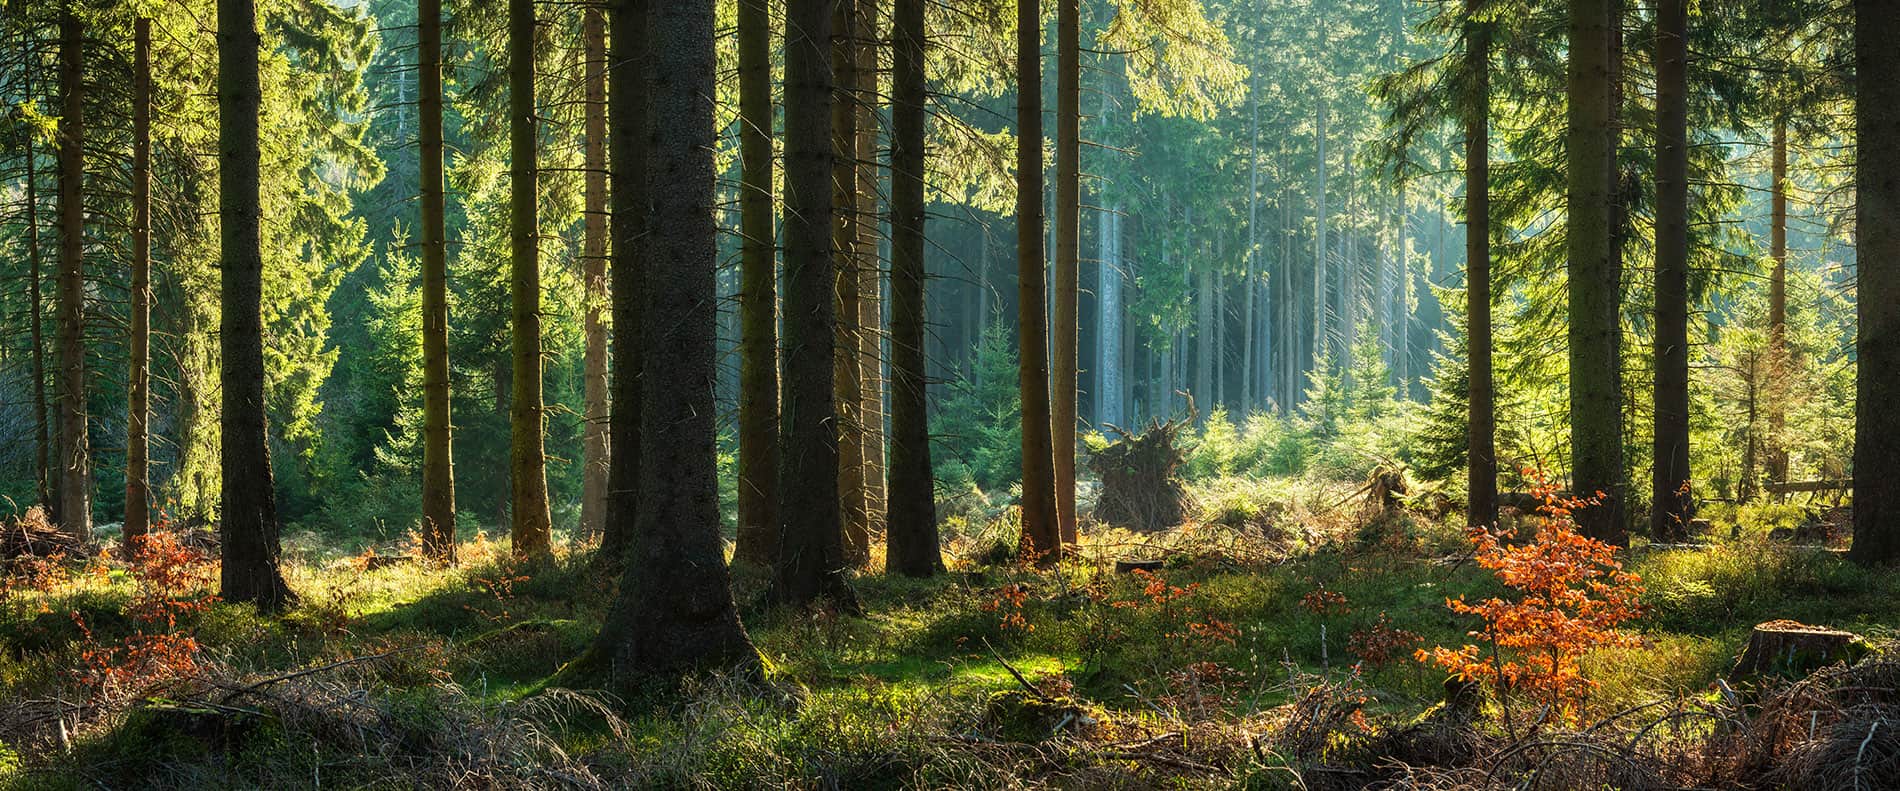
x,y
811,561
438,457
847,366
75,453
594,436
758,294
248,534
1877,183
1065,332
1671,504
527,459
1596,430
1481,475
1111,406
674,611
138,493
42,446
1042,527
628,193
912,546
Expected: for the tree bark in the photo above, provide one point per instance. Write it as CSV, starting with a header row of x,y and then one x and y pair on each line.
x,y
1596,430
758,294
847,365
249,572
1671,505
912,545
1321,304
438,456
1042,528
1481,476
531,524
811,561
138,493
629,196
42,446
1877,218
1065,332
674,611
594,437
870,287
1779,355
75,453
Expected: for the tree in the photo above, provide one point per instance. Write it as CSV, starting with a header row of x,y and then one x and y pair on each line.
x,y
1042,536
1065,333
627,115
1481,458
1672,506
138,493
870,320
758,293
912,546
811,560
594,464
664,621
249,571
75,454
1877,218
531,523
438,455
1596,418
848,365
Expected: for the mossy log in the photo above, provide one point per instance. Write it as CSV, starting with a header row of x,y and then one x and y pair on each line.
x,y
1791,649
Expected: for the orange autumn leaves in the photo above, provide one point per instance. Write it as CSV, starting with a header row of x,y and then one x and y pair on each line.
x,y
1572,596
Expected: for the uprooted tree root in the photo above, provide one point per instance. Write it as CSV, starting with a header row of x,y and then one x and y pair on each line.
x,y
1141,483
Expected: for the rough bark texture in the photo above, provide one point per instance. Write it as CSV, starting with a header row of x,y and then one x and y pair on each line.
x,y
1671,504
1065,334
531,523
847,368
674,611
870,271
912,545
1042,529
42,446
1596,418
627,121
248,533
594,449
1792,650
811,562
1877,182
438,457
138,492
75,453
1481,474
1778,353
758,293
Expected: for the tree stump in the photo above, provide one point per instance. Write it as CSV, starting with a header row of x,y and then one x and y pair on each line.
x,y
1791,649
1141,485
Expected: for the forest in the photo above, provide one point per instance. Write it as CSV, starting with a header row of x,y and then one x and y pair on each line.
x,y
1015,394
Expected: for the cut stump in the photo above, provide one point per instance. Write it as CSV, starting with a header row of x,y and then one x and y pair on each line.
x,y
1791,649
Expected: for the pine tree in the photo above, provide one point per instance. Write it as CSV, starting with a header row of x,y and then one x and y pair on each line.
x,y
911,525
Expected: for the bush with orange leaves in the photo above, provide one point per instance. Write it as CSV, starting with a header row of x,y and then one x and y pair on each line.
x,y
1571,597
173,581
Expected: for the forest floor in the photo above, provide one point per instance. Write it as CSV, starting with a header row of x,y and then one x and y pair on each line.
x,y
1271,648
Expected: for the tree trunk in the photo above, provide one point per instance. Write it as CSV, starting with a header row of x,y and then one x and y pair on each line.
x,y
1042,526
1065,332
42,446
1779,356
1596,431
811,562
870,271
1249,293
1481,452
1111,406
912,546
1204,335
1672,507
1877,182
847,367
438,456
75,454
594,437
758,294
531,524
138,494
249,572
664,621
1321,303
628,191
